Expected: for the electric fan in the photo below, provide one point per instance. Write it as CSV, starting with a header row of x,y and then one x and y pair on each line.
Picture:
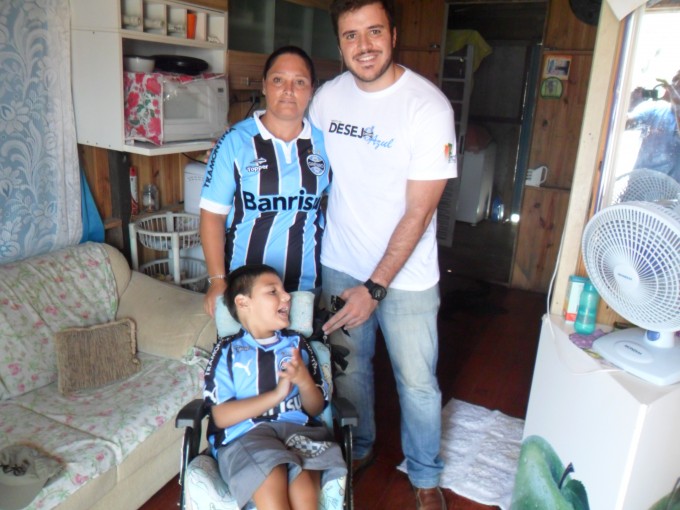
x,y
632,254
647,185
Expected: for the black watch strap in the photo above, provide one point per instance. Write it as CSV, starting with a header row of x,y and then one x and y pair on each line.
x,y
378,292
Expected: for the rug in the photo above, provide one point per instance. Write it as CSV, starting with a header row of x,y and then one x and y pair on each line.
x,y
480,449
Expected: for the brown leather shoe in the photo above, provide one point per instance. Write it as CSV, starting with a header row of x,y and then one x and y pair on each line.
x,y
430,499
359,465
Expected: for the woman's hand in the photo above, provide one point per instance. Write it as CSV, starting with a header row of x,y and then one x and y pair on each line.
x,y
216,289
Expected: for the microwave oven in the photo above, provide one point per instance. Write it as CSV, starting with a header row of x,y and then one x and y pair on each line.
x,y
162,108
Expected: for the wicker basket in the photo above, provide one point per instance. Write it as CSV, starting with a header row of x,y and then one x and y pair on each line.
x,y
167,231
192,272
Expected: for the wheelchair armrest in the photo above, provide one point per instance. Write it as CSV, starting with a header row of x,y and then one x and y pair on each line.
x,y
191,415
344,412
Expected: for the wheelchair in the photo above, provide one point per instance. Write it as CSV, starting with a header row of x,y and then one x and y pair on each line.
x,y
199,477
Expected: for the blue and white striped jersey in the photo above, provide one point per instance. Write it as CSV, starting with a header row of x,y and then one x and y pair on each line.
x,y
271,192
240,368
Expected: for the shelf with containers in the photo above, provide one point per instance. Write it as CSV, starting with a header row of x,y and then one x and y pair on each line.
x,y
103,32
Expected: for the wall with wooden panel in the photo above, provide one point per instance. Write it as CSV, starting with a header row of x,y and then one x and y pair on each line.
x,y
544,211
555,138
557,123
420,31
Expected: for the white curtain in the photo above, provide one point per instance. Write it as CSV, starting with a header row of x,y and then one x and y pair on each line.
x,y
40,204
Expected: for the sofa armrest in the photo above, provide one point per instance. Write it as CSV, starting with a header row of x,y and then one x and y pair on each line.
x,y
170,319
119,266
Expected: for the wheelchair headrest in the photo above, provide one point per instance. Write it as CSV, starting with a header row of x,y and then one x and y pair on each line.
x,y
301,315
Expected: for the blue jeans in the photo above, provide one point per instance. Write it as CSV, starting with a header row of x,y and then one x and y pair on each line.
x,y
408,321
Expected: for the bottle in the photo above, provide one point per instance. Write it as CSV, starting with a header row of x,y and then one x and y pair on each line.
x,y
574,289
134,199
497,209
587,310
150,198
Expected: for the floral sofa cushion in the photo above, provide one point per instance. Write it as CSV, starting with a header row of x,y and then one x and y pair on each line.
x,y
94,430
123,413
42,295
85,456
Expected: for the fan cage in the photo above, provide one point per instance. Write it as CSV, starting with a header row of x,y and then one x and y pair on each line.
x,y
645,185
645,237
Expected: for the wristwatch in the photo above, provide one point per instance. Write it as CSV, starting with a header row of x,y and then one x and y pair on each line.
x,y
377,292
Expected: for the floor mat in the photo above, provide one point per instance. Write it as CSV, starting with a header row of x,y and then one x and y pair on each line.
x,y
480,449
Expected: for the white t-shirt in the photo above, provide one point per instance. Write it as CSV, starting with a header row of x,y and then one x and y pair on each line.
x,y
376,142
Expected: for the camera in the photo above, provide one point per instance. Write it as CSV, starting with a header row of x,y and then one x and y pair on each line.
x,y
336,303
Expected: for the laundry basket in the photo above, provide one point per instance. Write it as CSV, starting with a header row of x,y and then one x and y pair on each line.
x,y
170,232
191,273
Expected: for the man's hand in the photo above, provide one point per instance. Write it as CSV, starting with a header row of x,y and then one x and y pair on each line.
x,y
359,305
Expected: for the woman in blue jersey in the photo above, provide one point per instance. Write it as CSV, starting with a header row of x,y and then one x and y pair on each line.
x,y
264,182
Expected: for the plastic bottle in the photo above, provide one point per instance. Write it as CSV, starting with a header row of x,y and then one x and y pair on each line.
x,y
134,198
587,310
150,198
497,209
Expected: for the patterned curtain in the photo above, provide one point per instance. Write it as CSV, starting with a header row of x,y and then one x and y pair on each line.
x,y
40,204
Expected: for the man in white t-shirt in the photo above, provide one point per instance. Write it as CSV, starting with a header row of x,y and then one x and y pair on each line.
x,y
389,134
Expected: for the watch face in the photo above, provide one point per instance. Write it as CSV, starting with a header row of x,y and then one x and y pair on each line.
x,y
378,293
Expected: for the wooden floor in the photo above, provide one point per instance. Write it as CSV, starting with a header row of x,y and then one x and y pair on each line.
x,y
483,251
488,339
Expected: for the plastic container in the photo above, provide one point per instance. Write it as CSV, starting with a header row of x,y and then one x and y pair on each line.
x,y
134,198
150,201
576,284
497,210
587,310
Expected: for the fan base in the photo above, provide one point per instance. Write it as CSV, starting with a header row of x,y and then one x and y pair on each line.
x,y
628,350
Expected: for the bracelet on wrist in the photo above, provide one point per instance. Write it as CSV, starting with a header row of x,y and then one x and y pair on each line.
x,y
216,277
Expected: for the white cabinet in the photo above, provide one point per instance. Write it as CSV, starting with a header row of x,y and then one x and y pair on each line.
x,y
105,30
620,432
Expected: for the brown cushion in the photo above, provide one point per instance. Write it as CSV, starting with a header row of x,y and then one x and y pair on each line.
x,y
95,356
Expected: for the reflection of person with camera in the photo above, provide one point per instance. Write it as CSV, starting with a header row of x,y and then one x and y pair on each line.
x,y
655,114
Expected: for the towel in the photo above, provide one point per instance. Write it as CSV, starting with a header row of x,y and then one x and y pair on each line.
x,y
480,449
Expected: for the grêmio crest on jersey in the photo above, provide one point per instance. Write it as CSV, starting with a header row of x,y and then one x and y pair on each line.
x,y
316,164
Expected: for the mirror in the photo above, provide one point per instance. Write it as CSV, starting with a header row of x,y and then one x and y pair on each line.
x,y
644,134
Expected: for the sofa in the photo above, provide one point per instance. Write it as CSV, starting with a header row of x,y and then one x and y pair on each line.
x,y
117,443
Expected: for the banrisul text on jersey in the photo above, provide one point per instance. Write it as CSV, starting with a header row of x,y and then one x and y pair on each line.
x,y
302,202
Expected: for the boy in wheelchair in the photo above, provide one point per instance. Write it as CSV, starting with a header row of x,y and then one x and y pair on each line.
x,y
263,387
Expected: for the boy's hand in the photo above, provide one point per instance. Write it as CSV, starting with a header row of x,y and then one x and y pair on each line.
x,y
283,388
295,370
